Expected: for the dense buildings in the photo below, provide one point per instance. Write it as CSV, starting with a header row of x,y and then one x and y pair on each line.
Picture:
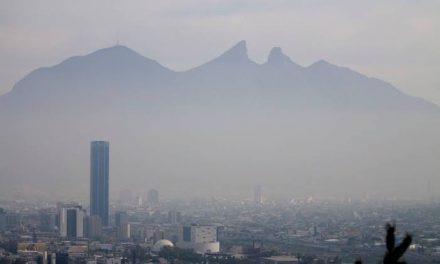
x,y
122,225
99,180
200,238
71,222
174,217
93,226
208,230
220,231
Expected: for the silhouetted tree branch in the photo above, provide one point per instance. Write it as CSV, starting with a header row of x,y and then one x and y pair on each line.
x,y
393,253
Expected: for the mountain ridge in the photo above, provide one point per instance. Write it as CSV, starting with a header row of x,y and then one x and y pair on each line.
x,y
302,131
233,64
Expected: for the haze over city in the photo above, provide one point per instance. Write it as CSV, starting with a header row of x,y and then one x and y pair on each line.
x,y
297,122
219,131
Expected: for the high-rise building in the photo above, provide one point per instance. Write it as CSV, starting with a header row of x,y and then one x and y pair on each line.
x,y
71,222
258,195
200,238
174,217
121,218
2,219
153,197
122,225
99,180
92,226
139,201
48,220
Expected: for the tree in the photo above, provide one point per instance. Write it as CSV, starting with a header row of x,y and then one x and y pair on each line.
x,y
393,253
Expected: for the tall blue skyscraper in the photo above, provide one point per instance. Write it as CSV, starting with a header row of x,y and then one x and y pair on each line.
x,y
99,180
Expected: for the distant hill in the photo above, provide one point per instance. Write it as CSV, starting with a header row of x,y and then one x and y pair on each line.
x,y
118,71
320,130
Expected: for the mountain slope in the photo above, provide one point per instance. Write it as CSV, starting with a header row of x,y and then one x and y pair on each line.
x,y
318,130
108,74
118,73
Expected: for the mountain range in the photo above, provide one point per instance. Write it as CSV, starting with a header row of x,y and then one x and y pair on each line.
x,y
219,128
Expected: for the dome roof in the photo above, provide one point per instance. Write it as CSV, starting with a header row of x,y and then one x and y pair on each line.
x,y
161,244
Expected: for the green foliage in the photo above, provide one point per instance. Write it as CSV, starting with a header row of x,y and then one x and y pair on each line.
x,y
184,255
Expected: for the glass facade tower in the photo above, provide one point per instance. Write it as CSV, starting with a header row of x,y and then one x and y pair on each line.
x,y
99,180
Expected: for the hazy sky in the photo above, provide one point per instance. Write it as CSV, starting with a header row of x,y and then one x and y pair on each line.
x,y
398,41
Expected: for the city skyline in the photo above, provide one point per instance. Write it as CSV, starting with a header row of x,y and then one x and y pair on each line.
x,y
220,132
